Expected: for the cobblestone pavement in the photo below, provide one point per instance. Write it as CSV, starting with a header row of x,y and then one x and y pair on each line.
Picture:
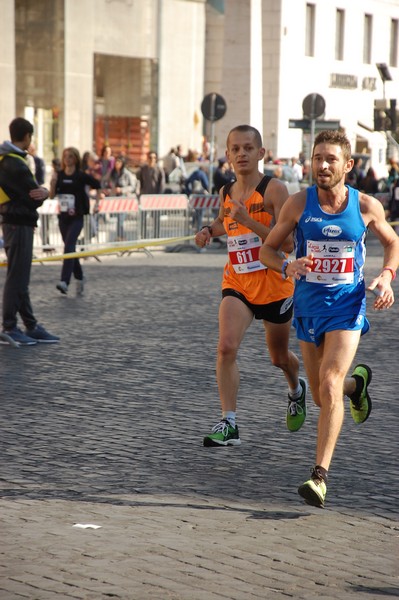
x,y
106,428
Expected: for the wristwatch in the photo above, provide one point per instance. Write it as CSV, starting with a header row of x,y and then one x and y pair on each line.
x,y
284,269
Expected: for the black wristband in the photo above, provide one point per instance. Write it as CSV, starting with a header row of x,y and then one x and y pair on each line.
x,y
208,227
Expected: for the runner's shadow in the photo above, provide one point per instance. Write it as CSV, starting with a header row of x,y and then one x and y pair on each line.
x,y
74,496
376,591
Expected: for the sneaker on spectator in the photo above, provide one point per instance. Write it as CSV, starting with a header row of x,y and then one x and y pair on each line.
x,y
15,336
39,334
80,286
62,287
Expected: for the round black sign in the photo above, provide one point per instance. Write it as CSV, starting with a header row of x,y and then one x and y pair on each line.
x,y
213,107
313,106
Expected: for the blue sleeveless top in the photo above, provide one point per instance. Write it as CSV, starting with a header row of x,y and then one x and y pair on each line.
x,y
311,298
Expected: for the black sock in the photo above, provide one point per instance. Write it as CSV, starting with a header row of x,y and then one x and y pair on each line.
x,y
321,473
359,387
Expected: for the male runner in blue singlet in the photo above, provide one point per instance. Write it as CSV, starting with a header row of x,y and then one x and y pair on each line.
x,y
329,221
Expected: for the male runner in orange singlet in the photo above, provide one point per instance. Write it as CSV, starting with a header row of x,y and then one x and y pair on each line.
x,y
248,208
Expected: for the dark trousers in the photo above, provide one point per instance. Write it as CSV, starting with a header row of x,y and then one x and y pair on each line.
x,y
70,229
18,244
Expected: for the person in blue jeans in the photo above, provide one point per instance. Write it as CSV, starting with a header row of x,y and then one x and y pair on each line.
x,y
197,183
70,186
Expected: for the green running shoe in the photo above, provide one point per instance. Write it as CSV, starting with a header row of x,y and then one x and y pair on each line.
x,y
314,490
360,404
296,411
223,434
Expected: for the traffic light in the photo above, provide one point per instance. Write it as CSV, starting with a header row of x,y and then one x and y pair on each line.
x,y
385,118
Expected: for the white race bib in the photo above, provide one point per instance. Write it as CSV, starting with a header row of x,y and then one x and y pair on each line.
x,y
67,203
333,262
244,252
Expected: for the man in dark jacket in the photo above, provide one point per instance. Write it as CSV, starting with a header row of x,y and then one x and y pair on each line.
x,y
20,196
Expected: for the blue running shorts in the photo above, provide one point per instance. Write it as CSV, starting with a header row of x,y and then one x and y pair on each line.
x,y
312,329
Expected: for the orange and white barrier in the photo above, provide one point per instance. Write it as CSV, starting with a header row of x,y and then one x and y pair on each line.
x,y
211,201
118,204
163,202
127,219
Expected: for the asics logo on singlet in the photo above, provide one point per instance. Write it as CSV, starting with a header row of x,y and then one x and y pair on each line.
x,y
331,230
313,220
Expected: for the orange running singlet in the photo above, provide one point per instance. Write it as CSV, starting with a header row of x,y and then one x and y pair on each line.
x,y
244,272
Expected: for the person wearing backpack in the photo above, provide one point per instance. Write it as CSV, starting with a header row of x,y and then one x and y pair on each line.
x,y
20,196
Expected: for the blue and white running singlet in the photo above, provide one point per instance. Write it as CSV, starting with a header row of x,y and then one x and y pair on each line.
x,y
335,286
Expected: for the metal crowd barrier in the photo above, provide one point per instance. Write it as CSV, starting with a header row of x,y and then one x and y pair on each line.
x,y
116,220
127,219
204,208
163,216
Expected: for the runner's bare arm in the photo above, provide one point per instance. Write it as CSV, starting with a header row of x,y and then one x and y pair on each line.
x,y
277,193
289,216
374,217
203,237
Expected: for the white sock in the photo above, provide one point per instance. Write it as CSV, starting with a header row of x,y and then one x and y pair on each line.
x,y
296,394
230,415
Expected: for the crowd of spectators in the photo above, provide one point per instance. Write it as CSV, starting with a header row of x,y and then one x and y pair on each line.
x,y
189,173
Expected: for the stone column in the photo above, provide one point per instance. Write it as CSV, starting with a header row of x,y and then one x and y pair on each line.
x,y
79,50
7,68
242,86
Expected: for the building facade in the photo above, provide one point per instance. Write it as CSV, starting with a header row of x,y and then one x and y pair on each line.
x,y
325,47
88,72
133,73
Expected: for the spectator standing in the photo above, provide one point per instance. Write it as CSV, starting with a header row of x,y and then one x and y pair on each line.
x,y
197,183
40,167
107,163
70,186
355,177
369,184
181,163
20,196
151,176
269,158
56,166
91,165
151,179
222,175
306,169
122,183
297,168
393,172
170,162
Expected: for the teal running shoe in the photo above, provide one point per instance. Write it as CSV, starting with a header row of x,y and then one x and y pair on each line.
x,y
360,404
296,411
314,490
223,434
